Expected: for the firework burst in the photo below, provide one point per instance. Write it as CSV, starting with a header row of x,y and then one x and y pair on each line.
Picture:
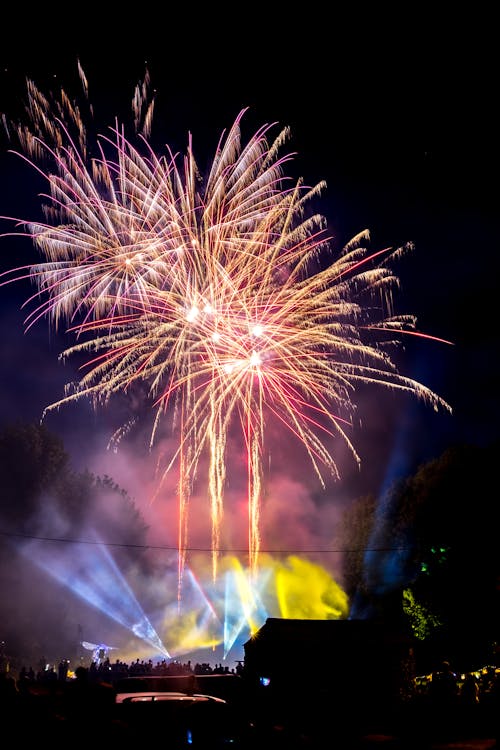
x,y
220,294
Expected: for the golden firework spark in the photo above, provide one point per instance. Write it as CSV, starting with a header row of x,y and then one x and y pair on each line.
x,y
221,294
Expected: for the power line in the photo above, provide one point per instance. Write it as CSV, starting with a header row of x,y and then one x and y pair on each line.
x,y
315,551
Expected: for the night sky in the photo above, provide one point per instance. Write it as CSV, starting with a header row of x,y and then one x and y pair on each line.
x,y
399,123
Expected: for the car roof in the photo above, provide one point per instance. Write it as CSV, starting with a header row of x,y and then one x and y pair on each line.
x,y
166,695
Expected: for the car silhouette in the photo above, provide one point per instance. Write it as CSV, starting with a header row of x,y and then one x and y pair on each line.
x,y
183,721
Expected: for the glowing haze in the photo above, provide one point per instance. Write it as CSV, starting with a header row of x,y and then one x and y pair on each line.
x,y
216,298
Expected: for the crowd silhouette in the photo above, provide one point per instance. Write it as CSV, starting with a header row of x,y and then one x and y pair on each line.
x,y
110,671
62,702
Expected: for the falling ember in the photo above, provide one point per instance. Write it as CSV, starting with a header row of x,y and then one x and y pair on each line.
x,y
221,296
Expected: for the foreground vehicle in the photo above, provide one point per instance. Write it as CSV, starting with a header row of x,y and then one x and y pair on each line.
x,y
195,721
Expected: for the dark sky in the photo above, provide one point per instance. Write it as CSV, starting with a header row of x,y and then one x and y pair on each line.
x,y
397,115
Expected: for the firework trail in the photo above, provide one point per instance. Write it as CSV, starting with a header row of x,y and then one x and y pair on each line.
x,y
220,294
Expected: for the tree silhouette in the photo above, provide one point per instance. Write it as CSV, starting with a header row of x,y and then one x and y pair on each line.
x,y
429,550
32,462
46,507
